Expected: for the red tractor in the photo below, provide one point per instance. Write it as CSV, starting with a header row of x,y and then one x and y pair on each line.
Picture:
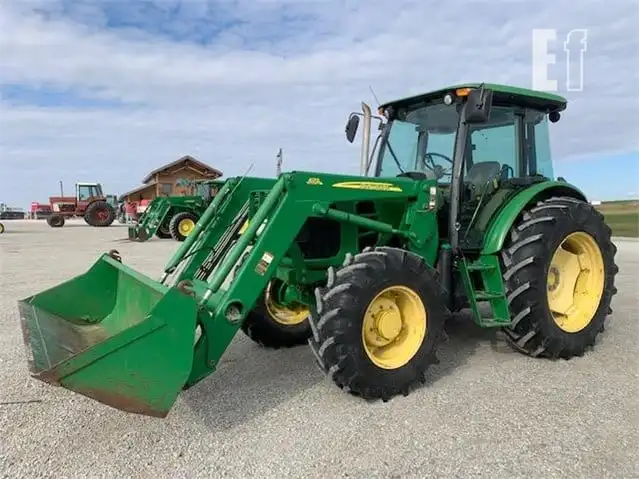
x,y
89,202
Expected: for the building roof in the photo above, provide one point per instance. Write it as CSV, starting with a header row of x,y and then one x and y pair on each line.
x,y
137,190
187,158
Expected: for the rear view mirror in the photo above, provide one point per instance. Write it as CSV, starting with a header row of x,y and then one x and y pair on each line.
x,y
351,127
478,105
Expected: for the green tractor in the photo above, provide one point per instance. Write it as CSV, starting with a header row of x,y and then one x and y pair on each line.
x,y
174,216
456,206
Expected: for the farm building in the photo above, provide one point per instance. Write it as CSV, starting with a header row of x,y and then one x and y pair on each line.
x,y
169,179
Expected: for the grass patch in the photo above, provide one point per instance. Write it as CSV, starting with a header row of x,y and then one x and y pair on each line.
x,y
622,217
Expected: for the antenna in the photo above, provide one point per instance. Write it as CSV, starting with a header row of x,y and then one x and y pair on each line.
x,y
374,96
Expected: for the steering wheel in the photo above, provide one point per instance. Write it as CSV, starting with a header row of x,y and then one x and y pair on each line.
x,y
438,170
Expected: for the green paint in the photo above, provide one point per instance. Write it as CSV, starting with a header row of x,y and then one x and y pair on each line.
x,y
107,334
525,96
500,226
160,211
225,210
124,339
484,283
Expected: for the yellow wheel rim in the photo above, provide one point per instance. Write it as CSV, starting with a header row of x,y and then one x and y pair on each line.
x,y
1,228
288,316
575,282
394,327
186,226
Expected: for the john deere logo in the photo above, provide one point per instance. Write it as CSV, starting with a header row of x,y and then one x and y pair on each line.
x,y
368,185
314,181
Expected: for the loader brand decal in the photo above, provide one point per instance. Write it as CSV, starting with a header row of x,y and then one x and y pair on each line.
x,y
314,181
264,263
367,185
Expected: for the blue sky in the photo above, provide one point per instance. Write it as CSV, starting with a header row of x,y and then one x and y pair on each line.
x,y
108,90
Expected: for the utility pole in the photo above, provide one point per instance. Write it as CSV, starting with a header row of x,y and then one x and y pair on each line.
x,y
279,157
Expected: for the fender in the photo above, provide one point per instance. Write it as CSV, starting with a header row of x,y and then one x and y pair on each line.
x,y
500,225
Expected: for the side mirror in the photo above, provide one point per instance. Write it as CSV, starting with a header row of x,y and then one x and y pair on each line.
x,y
351,127
478,106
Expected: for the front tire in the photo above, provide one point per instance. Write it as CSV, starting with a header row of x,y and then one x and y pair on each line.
x,y
377,323
273,325
182,224
559,272
55,221
163,231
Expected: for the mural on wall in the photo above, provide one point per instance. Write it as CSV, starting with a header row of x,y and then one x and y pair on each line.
x,y
194,187
183,187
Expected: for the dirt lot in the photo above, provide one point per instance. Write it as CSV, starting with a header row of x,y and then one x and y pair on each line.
x,y
486,411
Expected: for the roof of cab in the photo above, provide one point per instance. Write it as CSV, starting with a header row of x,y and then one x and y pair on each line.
x,y
512,94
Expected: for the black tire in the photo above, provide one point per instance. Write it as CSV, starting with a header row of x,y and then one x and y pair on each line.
x,y
55,221
163,231
339,315
526,261
174,224
99,214
263,328
1,228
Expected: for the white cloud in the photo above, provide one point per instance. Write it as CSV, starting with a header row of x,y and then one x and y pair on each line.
x,y
232,101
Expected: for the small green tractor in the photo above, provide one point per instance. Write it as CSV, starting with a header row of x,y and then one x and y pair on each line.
x,y
457,206
174,216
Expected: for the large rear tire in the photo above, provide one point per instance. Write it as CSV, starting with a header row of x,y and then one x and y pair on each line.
x,y
99,214
377,323
182,224
559,270
1,228
273,325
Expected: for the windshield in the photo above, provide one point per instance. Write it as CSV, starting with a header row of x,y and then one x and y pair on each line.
x,y
421,140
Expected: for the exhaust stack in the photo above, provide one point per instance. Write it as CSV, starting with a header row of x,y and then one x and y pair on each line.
x,y
366,135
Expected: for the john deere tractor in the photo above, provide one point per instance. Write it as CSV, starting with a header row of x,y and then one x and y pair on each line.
x,y
174,216
456,206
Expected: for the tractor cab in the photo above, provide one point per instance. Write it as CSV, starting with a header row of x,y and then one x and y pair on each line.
x,y
85,192
207,189
482,143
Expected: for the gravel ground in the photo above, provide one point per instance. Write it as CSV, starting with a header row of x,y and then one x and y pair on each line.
x,y
487,412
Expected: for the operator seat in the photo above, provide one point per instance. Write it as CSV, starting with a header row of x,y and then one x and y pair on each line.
x,y
479,175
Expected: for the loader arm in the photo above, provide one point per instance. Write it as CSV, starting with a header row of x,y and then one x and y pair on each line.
x,y
224,216
151,220
225,298
132,343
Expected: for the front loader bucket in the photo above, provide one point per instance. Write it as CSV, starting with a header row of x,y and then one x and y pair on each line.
x,y
113,335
